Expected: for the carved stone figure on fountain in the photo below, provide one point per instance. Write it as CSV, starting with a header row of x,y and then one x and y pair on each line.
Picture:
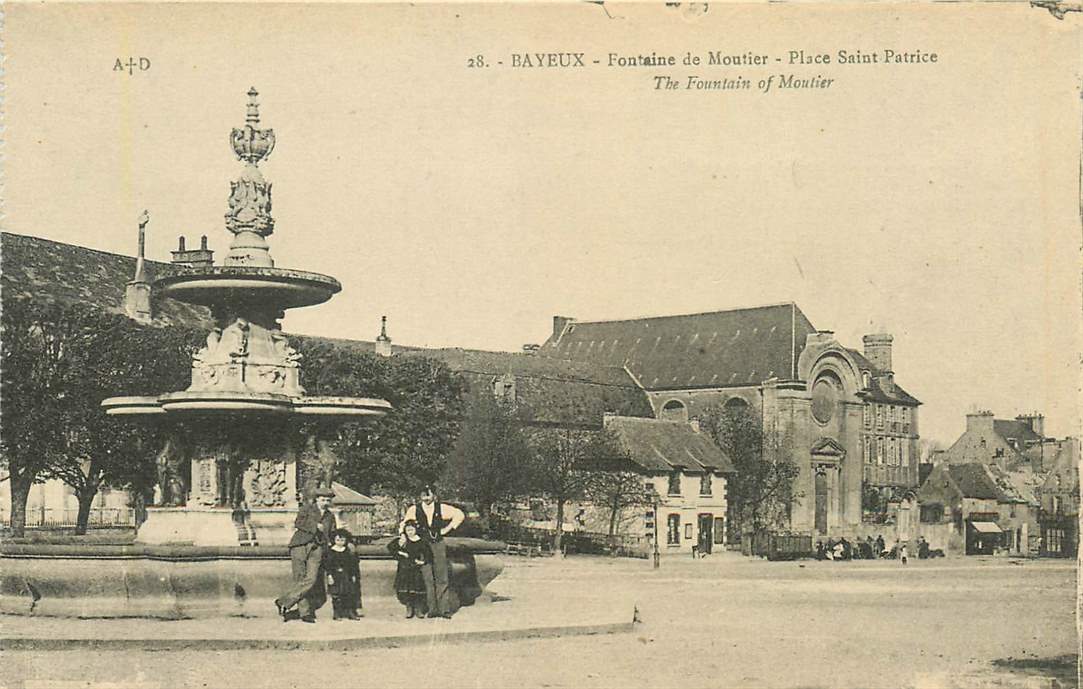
x,y
172,465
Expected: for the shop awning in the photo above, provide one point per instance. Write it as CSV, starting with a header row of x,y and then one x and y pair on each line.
x,y
986,527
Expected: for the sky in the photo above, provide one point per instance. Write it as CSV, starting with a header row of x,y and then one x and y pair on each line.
x,y
938,202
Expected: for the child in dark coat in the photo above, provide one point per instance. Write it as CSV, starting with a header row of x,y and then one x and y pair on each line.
x,y
412,553
343,577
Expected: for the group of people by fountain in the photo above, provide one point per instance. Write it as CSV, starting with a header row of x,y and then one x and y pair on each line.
x,y
323,562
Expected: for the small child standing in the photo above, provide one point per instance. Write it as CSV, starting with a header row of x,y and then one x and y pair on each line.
x,y
343,577
412,553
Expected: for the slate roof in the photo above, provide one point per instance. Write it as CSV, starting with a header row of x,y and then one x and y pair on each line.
x,y
1011,428
664,446
974,481
55,273
557,392
878,390
733,348
348,497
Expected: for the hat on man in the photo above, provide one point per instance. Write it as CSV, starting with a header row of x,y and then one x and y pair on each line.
x,y
315,490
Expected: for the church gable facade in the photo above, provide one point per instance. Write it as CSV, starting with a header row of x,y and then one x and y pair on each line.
x,y
839,412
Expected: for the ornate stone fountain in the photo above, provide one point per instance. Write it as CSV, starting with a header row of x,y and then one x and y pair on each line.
x,y
244,438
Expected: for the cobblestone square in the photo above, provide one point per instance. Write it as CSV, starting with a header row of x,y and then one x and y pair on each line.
x,y
722,621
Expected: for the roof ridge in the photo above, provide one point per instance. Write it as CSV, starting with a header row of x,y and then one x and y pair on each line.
x,y
686,315
80,247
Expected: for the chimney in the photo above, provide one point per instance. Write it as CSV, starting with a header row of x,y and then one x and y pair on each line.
x,y
193,258
1036,422
137,292
559,323
383,342
979,421
878,350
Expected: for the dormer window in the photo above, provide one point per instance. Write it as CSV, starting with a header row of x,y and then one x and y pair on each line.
x,y
866,380
675,483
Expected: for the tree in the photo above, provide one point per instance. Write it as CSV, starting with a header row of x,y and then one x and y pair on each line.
x,y
562,460
31,387
113,355
59,363
490,464
762,491
394,455
616,490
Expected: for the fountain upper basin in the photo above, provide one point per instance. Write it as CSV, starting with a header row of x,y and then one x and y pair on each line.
x,y
231,285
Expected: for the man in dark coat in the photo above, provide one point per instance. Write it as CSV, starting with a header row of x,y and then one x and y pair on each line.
x,y
312,534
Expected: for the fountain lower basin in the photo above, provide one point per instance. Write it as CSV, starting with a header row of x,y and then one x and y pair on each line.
x,y
184,581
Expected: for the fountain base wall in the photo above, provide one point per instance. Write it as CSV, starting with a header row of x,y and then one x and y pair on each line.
x,y
217,526
181,582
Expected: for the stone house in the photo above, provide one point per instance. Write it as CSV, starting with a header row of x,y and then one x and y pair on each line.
x,y
1011,444
976,509
841,414
1058,497
687,472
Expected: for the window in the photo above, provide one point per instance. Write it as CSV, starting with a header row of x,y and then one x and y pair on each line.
x,y
675,483
870,458
867,412
674,410
688,531
705,484
880,450
905,452
879,416
865,379
1056,504
673,530
719,530
932,514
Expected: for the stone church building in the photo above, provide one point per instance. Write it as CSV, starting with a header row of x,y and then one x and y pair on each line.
x,y
850,427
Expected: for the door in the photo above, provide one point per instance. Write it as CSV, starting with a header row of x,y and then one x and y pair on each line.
x,y
706,521
821,502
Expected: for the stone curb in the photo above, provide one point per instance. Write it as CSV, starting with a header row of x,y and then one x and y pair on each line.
x,y
342,644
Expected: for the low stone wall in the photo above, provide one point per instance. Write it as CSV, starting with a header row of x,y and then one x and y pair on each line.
x,y
178,582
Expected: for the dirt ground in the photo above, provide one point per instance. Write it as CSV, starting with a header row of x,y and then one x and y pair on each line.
x,y
723,621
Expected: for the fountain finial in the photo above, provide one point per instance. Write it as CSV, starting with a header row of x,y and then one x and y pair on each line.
x,y
253,107
249,217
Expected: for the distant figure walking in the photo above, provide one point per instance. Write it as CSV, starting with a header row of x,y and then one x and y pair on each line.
x,y
902,552
434,520
312,531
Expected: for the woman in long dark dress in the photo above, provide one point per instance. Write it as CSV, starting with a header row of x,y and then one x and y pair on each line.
x,y
412,553
343,577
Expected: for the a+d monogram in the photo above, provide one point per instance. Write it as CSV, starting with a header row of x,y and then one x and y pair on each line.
x,y
132,65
